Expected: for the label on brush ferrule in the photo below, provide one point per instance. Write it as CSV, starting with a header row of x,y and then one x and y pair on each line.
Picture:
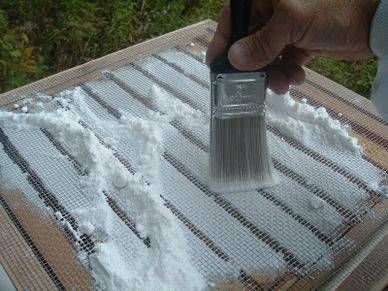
x,y
236,95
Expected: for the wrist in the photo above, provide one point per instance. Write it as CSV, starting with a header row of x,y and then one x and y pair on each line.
x,y
379,30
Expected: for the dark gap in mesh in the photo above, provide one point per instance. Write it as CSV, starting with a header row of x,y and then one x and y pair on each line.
x,y
124,217
182,71
77,166
142,99
347,102
43,262
196,231
125,163
189,135
100,139
49,198
183,49
203,40
183,97
113,111
297,217
249,282
210,30
374,163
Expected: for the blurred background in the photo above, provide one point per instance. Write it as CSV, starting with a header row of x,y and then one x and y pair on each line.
x,y
42,37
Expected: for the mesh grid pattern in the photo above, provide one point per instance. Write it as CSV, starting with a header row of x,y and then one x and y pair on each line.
x,y
231,243
39,249
23,259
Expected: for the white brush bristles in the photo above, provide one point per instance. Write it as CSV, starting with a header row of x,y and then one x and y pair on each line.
x,y
239,158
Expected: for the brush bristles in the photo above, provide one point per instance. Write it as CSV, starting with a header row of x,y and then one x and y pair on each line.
x,y
239,157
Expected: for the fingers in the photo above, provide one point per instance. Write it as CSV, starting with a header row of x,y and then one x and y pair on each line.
x,y
294,55
277,80
261,48
287,70
220,41
280,77
295,74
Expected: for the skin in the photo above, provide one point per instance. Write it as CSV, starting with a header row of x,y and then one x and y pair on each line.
x,y
286,34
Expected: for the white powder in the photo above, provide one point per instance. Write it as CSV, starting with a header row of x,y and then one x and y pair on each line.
x,y
58,215
166,265
307,124
109,141
296,119
176,109
317,203
86,228
119,181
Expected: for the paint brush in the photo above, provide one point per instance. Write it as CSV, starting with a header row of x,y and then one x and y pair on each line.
x,y
239,159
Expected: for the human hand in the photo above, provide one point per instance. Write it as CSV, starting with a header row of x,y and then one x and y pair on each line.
x,y
286,34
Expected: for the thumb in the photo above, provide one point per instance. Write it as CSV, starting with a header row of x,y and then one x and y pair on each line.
x,y
261,48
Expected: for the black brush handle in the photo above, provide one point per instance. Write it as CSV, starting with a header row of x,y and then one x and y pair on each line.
x,y
239,19
239,26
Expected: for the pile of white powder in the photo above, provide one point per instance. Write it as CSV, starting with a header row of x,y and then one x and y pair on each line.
x,y
166,265
307,124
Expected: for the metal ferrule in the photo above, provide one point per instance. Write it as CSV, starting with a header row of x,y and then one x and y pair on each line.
x,y
236,95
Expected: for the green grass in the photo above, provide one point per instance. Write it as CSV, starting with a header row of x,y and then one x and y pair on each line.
x,y
42,37
356,75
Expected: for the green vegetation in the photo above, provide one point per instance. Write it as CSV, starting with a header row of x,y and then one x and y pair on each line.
x,y
42,37
356,75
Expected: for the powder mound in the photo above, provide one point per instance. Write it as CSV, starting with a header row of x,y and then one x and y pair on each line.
x,y
316,203
307,124
164,265
175,109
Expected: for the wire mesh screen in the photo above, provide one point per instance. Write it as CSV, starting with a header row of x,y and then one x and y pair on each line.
x,y
258,240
